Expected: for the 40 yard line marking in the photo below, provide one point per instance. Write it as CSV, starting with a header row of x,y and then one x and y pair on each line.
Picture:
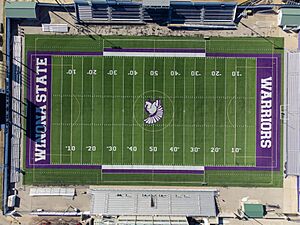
x,y
61,107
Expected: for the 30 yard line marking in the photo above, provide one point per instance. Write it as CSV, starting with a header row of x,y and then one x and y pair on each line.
x,y
92,119
72,108
81,116
194,112
61,107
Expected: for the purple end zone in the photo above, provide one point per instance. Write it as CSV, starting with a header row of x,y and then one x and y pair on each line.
x,y
38,139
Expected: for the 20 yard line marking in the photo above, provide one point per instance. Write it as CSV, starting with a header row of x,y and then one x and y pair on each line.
x,y
215,116
61,106
81,117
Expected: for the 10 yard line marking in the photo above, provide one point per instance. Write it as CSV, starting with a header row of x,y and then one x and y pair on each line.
x,y
235,113
72,109
61,106
81,133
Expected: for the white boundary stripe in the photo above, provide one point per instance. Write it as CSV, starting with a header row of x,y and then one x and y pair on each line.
x,y
154,54
153,167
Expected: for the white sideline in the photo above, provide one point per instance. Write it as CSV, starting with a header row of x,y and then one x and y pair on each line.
x,y
152,167
155,54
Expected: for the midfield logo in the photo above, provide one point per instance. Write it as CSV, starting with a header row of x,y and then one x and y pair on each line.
x,y
155,111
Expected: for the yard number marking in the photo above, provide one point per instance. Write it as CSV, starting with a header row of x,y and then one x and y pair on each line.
x,y
216,73
91,148
235,150
112,148
236,74
132,148
174,149
92,72
133,73
153,73
195,149
152,149
195,73
71,71
215,149
174,73
112,72
71,148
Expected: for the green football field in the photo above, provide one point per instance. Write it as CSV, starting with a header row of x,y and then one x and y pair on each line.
x,y
98,112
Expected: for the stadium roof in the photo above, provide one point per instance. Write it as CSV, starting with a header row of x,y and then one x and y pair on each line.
x,y
154,202
24,10
289,17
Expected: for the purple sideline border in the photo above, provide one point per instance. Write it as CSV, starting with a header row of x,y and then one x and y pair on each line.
x,y
261,61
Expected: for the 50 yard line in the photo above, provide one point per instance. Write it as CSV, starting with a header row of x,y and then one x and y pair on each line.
x,y
81,117
72,109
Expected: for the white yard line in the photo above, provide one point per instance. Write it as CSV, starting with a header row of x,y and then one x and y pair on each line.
x,y
61,106
113,112
123,110
235,87
245,148
225,108
164,87
102,106
153,85
174,101
72,110
143,136
194,113
132,140
183,119
204,112
81,113
215,113
92,125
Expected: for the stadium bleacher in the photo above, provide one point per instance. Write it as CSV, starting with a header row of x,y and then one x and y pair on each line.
x,y
184,13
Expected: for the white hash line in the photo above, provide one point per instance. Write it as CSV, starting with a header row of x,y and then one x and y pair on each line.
x,y
215,93
245,150
92,126
72,109
81,117
225,108
61,107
